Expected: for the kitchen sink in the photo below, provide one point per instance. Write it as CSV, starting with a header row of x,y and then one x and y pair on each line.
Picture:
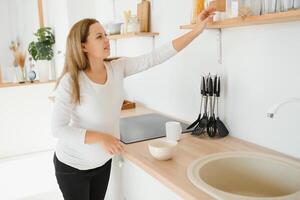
x,y
245,175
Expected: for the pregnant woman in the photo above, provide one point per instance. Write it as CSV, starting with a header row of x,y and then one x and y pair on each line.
x,y
89,97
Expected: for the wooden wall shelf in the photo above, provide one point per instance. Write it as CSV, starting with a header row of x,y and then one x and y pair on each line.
x,y
4,85
292,15
130,35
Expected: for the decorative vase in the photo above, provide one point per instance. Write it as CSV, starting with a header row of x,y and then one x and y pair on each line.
x,y
43,69
20,78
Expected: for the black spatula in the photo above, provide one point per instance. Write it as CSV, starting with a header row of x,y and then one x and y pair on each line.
x,y
221,128
198,130
202,126
211,126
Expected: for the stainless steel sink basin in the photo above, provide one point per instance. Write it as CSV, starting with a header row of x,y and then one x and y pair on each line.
x,y
242,175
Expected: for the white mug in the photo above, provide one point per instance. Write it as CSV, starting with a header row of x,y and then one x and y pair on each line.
x,y
296,4
173,131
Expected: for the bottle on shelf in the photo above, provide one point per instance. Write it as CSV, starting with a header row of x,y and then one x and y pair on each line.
x,y
197,8
234,8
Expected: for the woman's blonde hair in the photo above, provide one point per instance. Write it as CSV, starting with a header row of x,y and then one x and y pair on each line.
x,y
75,58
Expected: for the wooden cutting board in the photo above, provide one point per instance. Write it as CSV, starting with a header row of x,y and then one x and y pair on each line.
x,y
128,105
143,15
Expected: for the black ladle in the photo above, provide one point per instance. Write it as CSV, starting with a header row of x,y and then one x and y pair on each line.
x,y
221,128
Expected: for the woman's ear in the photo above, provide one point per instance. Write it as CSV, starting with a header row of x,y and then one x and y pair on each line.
x,y
83,45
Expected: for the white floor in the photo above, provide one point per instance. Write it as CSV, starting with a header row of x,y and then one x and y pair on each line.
x,y
29,177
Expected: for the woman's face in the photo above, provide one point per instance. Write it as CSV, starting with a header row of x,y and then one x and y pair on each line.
x,y
97,44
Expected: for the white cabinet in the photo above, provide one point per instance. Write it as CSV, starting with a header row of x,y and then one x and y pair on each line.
x,y
25,113
137,185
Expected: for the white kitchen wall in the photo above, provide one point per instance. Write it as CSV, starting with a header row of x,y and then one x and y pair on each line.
x,y
27,22
260,64
262,67
5,35
79,9
19,19
57,18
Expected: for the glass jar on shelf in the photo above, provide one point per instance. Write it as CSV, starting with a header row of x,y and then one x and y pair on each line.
x,y
19,72
284,5
219,6
268,6
250,7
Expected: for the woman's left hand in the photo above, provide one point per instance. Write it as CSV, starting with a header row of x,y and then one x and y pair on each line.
x,y
203,19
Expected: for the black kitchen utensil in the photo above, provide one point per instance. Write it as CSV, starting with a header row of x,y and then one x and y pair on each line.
x,y
211,126
201,124
199,116
200,129
221,128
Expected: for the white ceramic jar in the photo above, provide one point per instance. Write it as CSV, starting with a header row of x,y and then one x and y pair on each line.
x,y
133,25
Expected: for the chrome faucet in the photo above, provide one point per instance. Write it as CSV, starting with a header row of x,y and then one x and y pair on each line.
x,y
272,111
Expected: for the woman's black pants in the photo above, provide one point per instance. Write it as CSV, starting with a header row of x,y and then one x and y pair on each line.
x,y
78,184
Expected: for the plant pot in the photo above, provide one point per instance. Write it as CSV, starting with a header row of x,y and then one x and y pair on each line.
x,y
43,67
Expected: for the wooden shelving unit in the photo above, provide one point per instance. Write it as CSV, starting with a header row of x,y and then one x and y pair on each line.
x,y
292,15
130,35
4,85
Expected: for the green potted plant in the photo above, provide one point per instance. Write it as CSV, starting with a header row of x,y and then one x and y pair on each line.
x,y
42,51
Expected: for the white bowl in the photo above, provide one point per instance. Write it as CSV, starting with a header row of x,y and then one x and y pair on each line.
x,y
113,28
162,149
